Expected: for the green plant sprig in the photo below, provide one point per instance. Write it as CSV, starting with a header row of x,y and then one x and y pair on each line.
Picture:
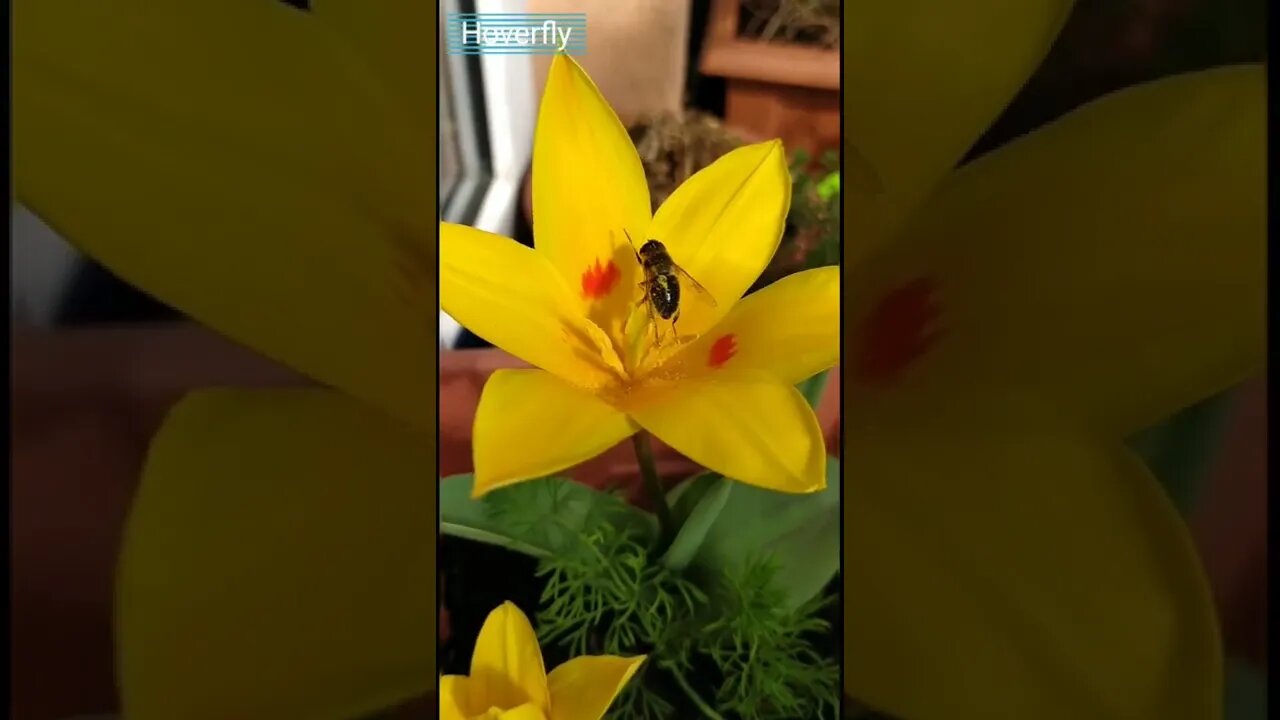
x,y
769,668
729,613
606,594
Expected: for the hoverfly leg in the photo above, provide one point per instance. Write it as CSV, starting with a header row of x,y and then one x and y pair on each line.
x,y
644,296
676,333
653,319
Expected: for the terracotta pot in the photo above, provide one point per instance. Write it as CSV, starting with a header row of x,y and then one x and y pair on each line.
x,y
774,89
463,374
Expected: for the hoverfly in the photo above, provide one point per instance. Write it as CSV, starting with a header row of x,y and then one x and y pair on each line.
x,y
661,283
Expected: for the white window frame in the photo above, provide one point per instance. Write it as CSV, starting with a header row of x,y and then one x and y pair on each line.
x,y
510,104
460,87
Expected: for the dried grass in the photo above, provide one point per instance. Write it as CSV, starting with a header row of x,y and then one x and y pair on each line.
x,y
673,147
802,22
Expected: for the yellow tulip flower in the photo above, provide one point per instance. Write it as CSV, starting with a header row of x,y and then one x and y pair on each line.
x,y
508,680
719,388
1009,324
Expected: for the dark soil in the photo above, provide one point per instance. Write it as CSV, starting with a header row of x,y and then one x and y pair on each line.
x,y
477,579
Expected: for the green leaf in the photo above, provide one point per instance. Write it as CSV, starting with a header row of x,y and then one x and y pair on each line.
x,y
1246,692
801,533
683,498
1181,450
461,516
812,388
712,494
534,517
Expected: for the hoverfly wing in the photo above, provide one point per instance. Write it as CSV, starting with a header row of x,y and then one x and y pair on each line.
x,y
694,284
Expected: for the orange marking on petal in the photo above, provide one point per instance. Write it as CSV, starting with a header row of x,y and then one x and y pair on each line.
x,y
599,279
901,328
725,347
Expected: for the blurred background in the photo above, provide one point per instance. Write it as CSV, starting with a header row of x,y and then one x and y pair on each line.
x,y
719,73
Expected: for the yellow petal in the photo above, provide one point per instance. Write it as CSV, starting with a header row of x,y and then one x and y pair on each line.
x,y
529,424
723,226
511,296
247,165
388,36
588,188
584,687
506,667
750,427
455,698
277,562
1019,571
1112,264
790,329
922,80
528,711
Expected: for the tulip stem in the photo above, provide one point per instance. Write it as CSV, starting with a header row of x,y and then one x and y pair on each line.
x,y
693,695
653,487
